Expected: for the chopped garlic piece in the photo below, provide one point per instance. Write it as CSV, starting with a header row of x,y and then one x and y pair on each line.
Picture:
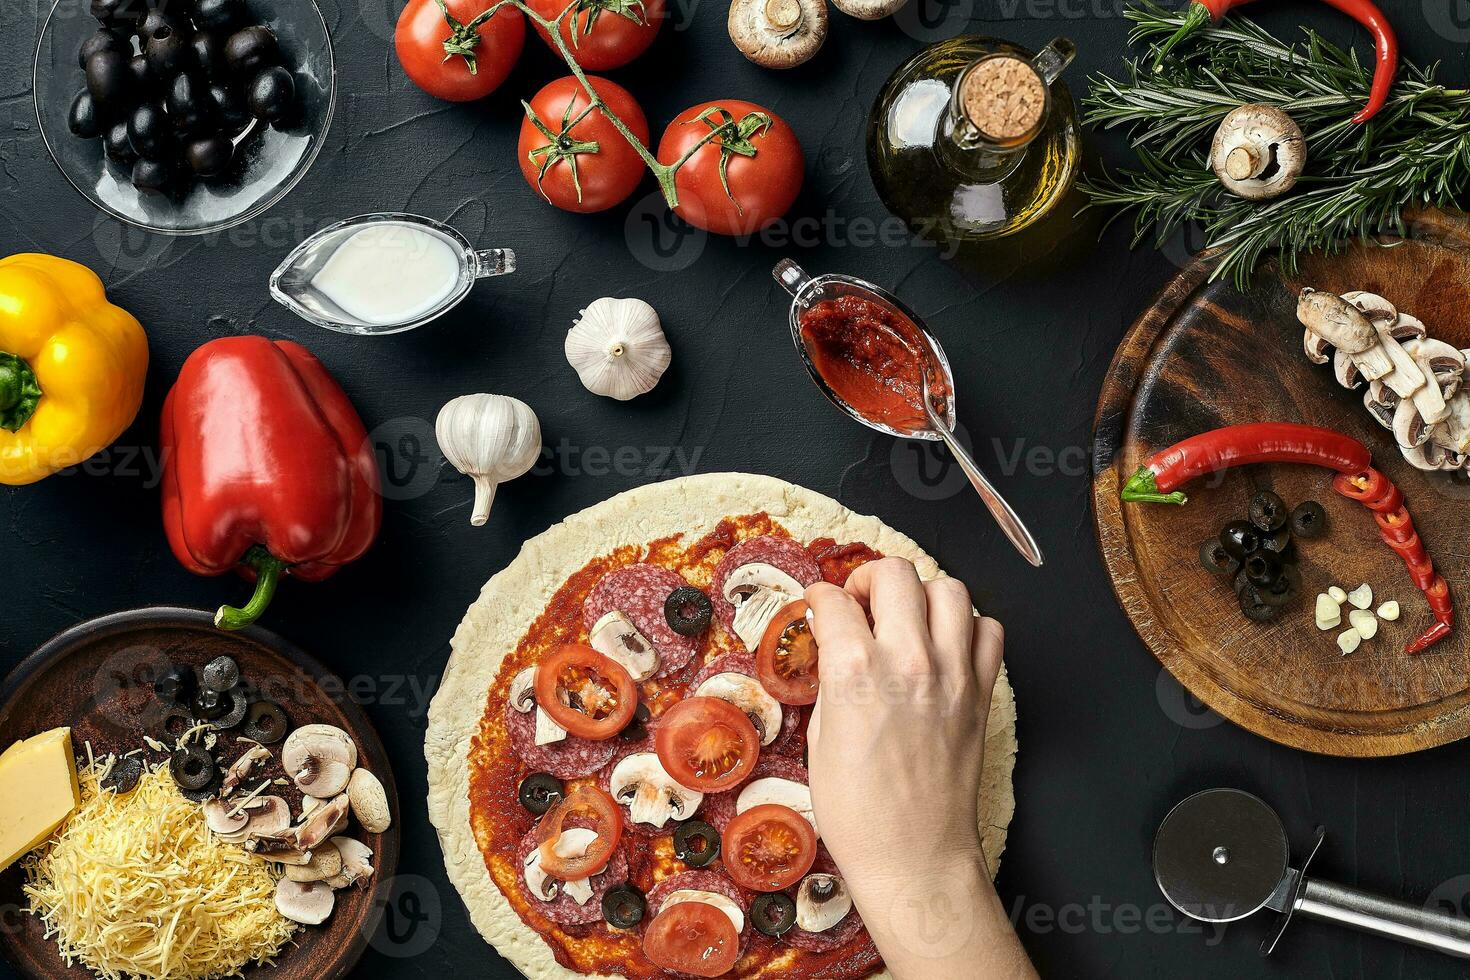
x,y
1337,593
1389,610
1362,596
1329,615
1364,622
1349,640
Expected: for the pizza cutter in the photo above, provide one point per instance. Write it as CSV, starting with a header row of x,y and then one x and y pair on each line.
x,y
1222,855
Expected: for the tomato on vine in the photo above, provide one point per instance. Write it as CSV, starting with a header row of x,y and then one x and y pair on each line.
x,y
743,179
603,34
572,155
454,49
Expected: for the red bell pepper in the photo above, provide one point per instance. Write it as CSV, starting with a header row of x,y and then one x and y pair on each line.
x,y
267,469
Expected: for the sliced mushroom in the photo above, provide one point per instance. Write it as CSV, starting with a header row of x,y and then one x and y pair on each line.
x,y
758,591
1406,378
1380,403
242,767
733,911
1336,321
822,901
357,863
307,902
778,33
1347,372
1443,362
267,816
1258,152
320,759
1315,348
523,699
322,823
640,783
615,637
573,843
369,801
1430,456
540,884
325,863
1407,328
783,792
1377,309
1409,427
225,818
1455,432
747,694
280,849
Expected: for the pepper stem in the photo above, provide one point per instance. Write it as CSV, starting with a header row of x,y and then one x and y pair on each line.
x,y
268,569
20,392
1143,488
1197,19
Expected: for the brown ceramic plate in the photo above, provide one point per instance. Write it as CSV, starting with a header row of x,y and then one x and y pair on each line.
x,y
98,677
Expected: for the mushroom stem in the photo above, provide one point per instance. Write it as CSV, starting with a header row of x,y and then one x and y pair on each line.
x,y
783,16
1245,162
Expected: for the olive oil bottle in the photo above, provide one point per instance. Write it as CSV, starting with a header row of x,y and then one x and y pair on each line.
x,y
975,138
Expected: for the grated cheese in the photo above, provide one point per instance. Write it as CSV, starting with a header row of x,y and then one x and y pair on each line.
x,y
135,885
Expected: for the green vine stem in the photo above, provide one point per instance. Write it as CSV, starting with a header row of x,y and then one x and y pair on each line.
x,y
734,134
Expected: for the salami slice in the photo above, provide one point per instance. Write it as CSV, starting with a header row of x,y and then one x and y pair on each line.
x,y
564,910
638,592
841,934
719,809
704,881
786,554
570,758
791,739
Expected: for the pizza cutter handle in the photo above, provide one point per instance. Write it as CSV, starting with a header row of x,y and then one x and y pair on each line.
x,y
1387,917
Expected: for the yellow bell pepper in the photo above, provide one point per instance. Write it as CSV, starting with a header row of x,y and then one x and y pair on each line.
x,y
71,367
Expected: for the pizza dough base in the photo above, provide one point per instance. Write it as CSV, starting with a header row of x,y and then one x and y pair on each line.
x,y
515,596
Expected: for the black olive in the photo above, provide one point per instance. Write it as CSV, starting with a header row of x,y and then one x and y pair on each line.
x,y
238,702
219,15
696,843
1280,543
123,775
1263,568
199,795
773,914
637,729
153,175
209,705
623,906
193,767
118,146
103,40
149,132
1268,512
177,685
1254,609
265,723
158,20
272,94
170,721
229,108
688,611
145,83
1215,559
1240,539
190,109
83,119
250,49
540,791
209,54
1283,589
109,79
168,53
1309,519
221,674
118,13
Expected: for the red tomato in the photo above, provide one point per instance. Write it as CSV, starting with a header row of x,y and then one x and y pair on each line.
x,y
592,809
598,36
762,158
559,161
768,847
452,62
706,744
694,938
589,695
787,659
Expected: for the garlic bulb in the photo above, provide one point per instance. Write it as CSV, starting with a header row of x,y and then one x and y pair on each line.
x,y
490,438
618,348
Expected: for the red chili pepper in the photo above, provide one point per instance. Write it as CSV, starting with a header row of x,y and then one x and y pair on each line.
x,y
1411,550
1202,13
1431,636
1395,526
1422,572
1236,445
1438,594
267,469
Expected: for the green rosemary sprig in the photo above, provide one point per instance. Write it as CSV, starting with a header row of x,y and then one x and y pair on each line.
x,y
1358,178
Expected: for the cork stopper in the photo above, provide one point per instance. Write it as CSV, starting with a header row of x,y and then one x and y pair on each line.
x,y
1003,98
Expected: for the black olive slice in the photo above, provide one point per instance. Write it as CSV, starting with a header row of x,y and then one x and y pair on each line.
x,y
637,729
124,775
1254,608
541,791
192,767
199,795
176,686
221,674
1284,589
1240,538
1215,559
1309,520
265,723
239,704
1263,568
688,611
173,720
1280,543
1268,512
773,914
696,843
210,705
623,907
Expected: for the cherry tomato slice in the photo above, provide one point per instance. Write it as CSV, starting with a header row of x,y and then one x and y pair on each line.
x,y
706,744
768,848
584,807
694,938
787,658
589,695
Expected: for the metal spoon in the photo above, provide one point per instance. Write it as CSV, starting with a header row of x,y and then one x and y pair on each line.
x,y
1005,515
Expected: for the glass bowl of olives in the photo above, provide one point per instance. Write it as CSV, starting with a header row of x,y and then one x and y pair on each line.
x,y
184,117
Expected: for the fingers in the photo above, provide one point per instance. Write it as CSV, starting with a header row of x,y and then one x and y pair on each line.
x,y
891,590
951,626
840,627
989,645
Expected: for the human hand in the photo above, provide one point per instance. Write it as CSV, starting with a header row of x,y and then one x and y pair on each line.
x,y
896,746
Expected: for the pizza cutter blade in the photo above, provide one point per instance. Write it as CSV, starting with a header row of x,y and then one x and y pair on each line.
x,y
1223,854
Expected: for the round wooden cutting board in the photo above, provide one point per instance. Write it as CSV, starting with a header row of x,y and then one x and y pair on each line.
x,y
1206,355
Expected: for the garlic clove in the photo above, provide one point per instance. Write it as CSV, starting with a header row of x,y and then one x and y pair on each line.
x,y
618,348
1338,594
490,438
1362,596
1364,622
1389,610
1328,614
1349,640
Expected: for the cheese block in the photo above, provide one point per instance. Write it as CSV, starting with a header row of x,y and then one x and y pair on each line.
x,y
38,791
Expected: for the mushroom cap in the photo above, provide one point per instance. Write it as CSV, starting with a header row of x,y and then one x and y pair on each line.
x,y
307,902
322,822
651,795
868,9
369,801
614,636
320,759
325,863
1258,152
750,696
357,862
778,33
822,901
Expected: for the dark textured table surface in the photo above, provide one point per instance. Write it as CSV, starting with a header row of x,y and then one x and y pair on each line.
x,y
1108,743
